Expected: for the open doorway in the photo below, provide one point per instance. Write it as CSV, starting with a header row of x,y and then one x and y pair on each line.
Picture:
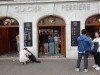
x,y
51,27
92,24
9,29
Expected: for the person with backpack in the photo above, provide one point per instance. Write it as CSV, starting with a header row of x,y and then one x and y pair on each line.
x,y
96,50
23,56
31,56
84,46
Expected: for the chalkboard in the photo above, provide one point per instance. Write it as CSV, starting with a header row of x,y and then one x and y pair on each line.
x,y
75,32
27,34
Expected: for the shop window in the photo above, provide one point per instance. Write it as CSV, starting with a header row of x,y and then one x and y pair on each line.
x,y
6,0
93,19
51,20
7,21
92,24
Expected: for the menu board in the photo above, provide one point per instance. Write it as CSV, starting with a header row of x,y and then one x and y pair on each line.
x,y
75,32
27,34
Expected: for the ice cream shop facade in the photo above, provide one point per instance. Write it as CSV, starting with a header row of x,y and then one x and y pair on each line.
x,y
30,18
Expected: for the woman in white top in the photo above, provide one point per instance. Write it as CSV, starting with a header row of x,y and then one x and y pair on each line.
x,y
97,57
23,56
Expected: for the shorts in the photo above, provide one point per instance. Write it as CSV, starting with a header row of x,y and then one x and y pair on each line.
x,y
46,45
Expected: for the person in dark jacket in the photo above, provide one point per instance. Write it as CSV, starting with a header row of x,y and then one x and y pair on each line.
x,y
45,42
31,56
41,42
84,46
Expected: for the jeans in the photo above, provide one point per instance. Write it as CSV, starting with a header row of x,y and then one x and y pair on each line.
x,y
51,48
80,55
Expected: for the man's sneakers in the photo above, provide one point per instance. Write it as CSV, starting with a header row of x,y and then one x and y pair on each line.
x,y
95,66
85,70
77,70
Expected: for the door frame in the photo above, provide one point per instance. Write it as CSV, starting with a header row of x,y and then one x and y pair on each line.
x,y
63,38
63,28
49,24
8,41
8,22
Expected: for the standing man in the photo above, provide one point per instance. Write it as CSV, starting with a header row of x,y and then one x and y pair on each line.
x,y
45,43
17,40
84,45
41,42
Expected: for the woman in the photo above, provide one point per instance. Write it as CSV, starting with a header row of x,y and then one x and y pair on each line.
x,y
31,56
97,56
18,45
56,39
23,56
51,44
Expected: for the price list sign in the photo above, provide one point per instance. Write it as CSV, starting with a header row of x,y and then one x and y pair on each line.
x,y
27,34
75,32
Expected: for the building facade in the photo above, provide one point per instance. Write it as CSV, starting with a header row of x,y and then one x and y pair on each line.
x,y
72,14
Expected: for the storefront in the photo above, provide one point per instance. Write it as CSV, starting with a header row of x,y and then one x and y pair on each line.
x,y
64,18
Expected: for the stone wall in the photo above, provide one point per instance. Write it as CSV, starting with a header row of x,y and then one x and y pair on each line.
x,y
32,12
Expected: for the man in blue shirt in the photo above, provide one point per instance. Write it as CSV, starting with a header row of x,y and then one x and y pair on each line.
x,y
84,46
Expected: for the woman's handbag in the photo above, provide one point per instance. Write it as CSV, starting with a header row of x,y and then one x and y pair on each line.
x,y
94,48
